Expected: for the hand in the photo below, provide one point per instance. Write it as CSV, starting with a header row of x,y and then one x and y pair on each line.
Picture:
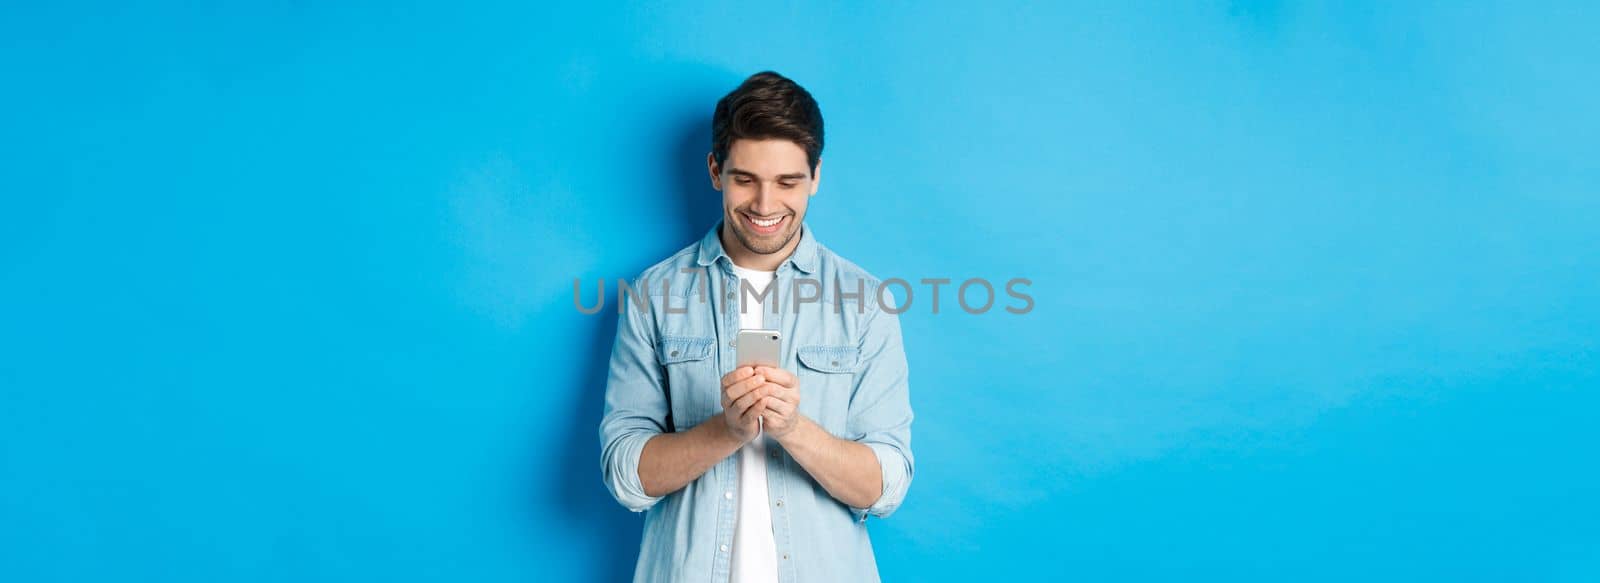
x,y
781,401
742,394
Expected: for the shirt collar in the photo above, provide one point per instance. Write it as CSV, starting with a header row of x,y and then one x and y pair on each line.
x,y
804,257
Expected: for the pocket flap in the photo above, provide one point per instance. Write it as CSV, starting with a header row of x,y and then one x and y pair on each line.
x,y
830,358
674,349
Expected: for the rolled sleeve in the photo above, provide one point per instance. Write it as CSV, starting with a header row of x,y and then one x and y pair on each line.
x,y
622,471
896,468
635,408
880,410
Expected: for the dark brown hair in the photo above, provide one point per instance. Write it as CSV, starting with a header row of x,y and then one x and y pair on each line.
x,y
768,106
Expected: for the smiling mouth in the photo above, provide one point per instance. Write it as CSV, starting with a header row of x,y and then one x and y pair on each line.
x,y
765,226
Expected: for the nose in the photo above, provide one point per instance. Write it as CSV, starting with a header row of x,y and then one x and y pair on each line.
x,y
766,200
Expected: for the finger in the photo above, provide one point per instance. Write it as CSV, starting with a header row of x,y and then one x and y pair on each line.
x,y
737,375
742,387
779,407
785,393
756,409
778,375
743,404
751,417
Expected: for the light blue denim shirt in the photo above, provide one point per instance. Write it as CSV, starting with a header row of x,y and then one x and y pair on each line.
x,y
666,370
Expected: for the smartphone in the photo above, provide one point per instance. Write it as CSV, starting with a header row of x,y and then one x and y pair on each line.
x,y
758,347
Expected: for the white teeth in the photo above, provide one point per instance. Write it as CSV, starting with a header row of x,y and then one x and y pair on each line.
x,y
765,223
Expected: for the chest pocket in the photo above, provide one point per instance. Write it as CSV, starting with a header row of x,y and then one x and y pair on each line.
x,y
686,364
827,376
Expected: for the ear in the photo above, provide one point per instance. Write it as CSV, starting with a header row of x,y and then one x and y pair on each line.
x,y
816,177
714,170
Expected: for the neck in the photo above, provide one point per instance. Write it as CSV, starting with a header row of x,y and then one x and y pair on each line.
x,y
744,257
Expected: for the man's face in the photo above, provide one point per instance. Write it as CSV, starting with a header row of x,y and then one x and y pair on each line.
x,y
765,186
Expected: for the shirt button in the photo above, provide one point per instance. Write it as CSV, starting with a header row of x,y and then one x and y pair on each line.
x,y
780,502
674,353
774,454
725,549
786,556
728,495
733,343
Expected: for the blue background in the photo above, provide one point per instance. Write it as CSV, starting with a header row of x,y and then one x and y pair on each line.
x,y
286,291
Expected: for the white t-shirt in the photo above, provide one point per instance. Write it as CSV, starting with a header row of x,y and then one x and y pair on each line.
x,y
755,554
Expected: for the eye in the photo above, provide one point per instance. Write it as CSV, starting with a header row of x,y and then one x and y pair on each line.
x,y
787,184
741,180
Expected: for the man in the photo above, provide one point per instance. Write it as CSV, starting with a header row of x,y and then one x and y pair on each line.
x,y
755,474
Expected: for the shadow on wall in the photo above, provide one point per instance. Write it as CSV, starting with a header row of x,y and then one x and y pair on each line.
x,y
586,504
